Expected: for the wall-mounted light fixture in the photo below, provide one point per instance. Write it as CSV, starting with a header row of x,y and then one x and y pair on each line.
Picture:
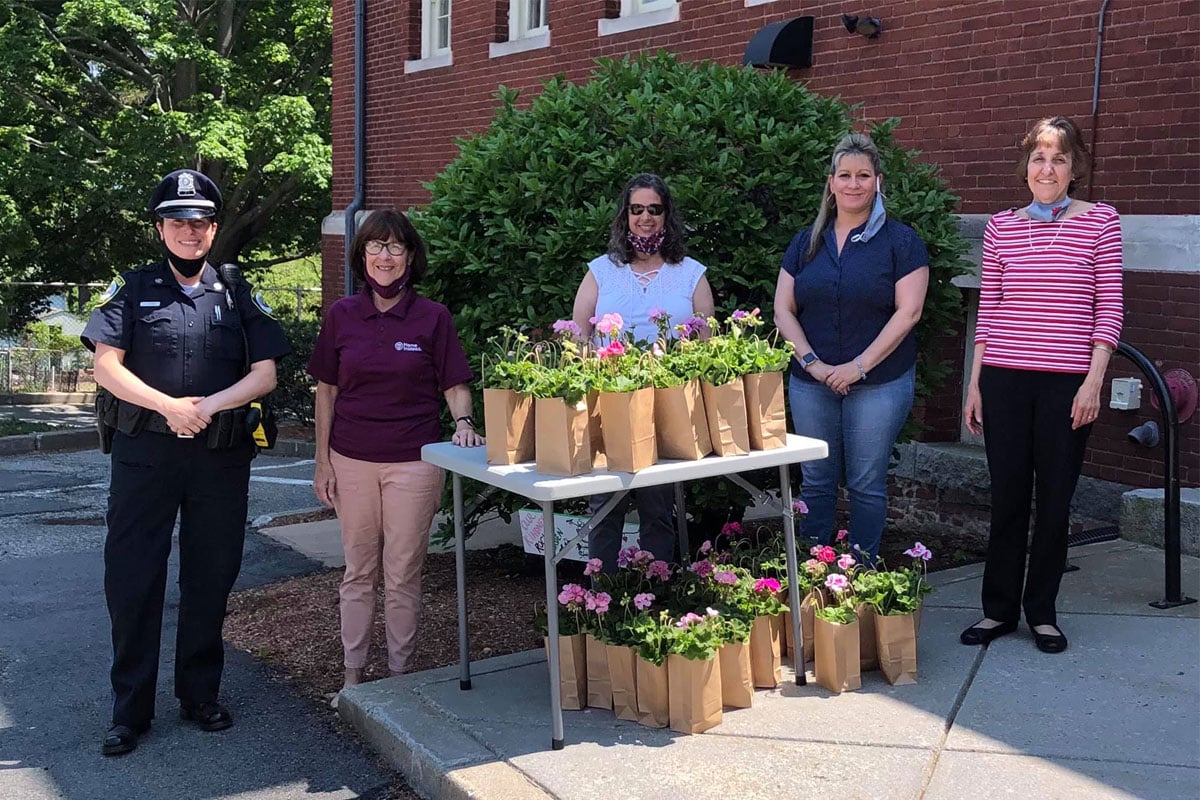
x,y
867,26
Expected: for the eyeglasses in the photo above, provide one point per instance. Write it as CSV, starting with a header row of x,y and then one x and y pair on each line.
x,y
637,209
396,249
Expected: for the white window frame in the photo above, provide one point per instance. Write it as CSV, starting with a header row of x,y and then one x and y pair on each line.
x,y
430,47
638,14
521,37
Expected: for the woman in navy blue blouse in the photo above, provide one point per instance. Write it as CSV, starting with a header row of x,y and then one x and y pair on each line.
x,y
850,292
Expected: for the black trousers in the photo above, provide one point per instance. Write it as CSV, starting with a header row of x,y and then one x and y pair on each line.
x,y
1030,446
155,477
656,520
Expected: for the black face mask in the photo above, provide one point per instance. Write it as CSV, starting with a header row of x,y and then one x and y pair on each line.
x,y
187,267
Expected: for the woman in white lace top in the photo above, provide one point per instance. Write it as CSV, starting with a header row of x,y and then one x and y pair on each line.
x,y
644,270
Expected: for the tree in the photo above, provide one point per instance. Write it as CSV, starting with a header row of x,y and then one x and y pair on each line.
x,y
102,97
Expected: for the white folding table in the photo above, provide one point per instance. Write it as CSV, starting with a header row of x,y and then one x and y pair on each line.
x,y
525,480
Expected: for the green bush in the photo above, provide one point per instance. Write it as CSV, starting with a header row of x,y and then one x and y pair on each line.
x,y
294,396
514,219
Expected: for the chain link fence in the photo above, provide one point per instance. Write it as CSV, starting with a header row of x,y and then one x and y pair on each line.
x,y
34,370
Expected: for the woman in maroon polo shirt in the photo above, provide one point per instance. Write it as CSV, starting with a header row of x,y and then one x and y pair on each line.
x,y
384,359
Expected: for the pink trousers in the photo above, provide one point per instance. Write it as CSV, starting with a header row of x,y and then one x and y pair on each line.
x,y
385,512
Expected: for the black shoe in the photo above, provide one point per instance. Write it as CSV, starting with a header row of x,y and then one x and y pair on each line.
x,y
977,635
209,716
122,739
1049,642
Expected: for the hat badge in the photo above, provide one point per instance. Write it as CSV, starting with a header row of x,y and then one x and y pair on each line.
x,y
185,186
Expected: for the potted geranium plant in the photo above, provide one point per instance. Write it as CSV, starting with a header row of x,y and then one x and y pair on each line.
x,y
680,424
896,597
764,360
626,399
720,364
572,652
650,631
507,406
835,634
693,671
560,384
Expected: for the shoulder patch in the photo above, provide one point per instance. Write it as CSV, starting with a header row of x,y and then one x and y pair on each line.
x,y
262,305
112,290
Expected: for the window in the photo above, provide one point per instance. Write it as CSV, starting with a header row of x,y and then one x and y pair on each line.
x,y
435,28
638,14
527,18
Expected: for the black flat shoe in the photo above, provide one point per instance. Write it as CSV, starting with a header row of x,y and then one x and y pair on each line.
x,y
1049,642
122,739
976,635
208,716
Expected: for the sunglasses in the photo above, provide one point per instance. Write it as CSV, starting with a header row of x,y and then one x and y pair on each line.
x,y
375,247
637,209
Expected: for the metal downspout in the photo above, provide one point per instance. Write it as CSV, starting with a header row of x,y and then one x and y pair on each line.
x,y
1096,97
350,225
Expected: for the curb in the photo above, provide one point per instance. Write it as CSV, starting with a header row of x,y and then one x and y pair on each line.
x,y
50,442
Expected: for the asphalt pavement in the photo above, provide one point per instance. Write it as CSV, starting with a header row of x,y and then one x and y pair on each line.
x,y
55,654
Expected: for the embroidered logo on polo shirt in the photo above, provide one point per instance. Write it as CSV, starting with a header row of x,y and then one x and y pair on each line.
x,y
408,347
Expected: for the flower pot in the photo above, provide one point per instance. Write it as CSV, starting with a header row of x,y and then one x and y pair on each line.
x,y
807,615
725,411
627,424
896,637
868,656
653,696
680,424
737,682
765,662
837,657
622,675
599,686
694,688
765,410
562,445
508,422
572,671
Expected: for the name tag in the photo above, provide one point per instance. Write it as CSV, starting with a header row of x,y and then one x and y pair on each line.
x,y
408,347
150,304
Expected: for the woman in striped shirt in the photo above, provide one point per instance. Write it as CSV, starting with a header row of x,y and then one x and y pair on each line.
x,y
1050,313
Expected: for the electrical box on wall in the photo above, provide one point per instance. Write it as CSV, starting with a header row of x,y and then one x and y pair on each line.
x,y
1126,394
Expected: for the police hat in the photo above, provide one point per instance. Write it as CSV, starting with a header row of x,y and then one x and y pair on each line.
x,y
185,194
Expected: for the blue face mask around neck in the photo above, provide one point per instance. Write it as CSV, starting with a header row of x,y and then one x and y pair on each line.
x,y
874,222
1048,212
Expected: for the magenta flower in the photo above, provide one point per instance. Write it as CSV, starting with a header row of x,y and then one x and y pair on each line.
x,y
589,600
767,585
602,599
842,535
692,326
731,529
660,570
566,327
594,565
643,601
826,553
738,315
920,551
705,548
725,577
845,561
641,558
613,349
799,507
659,315
837,583
625,556
702,568
572,593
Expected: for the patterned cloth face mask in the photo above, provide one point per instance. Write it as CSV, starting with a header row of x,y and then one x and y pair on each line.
x,y
646,244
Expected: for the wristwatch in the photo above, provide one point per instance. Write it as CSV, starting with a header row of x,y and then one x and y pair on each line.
x,y
807,360
467,419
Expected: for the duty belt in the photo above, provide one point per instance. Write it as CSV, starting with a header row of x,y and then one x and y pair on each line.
x,y
226,430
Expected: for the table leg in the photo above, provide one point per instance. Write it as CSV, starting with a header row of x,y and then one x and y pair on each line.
x,y
789,540
549,549
685,548
460,574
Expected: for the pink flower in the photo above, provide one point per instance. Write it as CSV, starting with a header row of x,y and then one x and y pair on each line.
x,y
731,529
702,568
614,349
845,561
572,593
659,315
712,612
842,535
610,324
566,327
920,551
725,577
641,558
660,570
815,568
827,554
688,620
837,583
589,600
643,601
593,567
799,507
705,548
602,600
625,556
738,315
768,585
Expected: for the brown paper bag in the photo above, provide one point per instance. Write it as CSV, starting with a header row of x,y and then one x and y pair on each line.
x,y
897,639
837,655
599,687
725,410
627,425
807,606
561,431
680,424
653,697
694,688
622,672
596,431
766,411
508,423
572,671
765,664
787,648
868,655
737,682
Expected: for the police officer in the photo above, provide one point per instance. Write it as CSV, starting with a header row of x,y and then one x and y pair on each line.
x,y
183,353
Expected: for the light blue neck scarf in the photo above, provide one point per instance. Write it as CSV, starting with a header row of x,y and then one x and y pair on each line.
x,y
874,222
1048,212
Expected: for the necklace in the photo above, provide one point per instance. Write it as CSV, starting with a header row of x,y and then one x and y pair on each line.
x,y
1060,225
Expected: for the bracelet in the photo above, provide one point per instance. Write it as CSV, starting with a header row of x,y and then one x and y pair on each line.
x,y
467,419
862,373
1102,346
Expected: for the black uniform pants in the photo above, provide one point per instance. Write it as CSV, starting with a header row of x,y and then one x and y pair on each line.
x,y
656,524
1030,444
154,477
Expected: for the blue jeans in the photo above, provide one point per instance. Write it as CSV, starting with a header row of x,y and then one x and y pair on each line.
x,y
861,430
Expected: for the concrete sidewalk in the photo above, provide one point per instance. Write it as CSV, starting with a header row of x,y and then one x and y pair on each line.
x,y
1115,716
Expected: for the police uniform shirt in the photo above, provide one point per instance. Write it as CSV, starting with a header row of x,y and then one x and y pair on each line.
x,y
184,343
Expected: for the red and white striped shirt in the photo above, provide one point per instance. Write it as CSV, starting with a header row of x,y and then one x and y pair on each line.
x,y
1048,290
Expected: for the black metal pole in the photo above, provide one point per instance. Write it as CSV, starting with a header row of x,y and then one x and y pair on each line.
x,y
1172,552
